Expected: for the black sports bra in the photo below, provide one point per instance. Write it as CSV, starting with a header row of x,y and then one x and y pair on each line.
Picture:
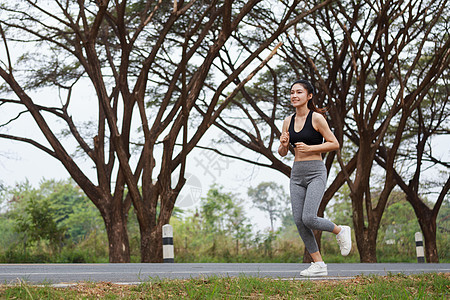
x,y
307,135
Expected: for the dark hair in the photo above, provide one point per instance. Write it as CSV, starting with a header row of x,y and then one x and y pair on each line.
x,y
310,88
307,85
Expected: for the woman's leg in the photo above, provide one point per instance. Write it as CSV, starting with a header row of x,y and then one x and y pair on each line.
x,y
316,256
298,194
313,197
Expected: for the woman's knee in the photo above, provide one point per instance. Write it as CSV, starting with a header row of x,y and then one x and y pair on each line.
x,y
309,221
299,223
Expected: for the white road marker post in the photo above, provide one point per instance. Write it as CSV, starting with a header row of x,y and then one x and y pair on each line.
x,y
167,236
419,247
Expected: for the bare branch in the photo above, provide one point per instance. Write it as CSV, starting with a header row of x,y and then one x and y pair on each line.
x,y
29,141
240,158
6,48
13,119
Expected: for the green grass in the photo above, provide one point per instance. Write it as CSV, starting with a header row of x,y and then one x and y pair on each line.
x,y
425,286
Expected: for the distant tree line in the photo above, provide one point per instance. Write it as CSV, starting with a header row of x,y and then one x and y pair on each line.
x,y
56,222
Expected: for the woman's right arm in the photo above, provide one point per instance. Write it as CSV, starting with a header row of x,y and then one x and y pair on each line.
x,y
284,139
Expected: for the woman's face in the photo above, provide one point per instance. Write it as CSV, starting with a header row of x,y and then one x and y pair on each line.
x,y
299,95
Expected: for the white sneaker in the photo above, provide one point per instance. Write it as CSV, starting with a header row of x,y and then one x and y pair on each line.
x,y
344,239
315,270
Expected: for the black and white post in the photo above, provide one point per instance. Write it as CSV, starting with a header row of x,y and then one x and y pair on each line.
x,y
419,247
167,236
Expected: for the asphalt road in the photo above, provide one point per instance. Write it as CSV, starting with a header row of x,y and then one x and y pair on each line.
x,y
61,274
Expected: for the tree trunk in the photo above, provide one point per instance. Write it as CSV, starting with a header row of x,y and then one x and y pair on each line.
x,y
119,247
150,223
366,242
366,235
151,234
427,222
429,235
425,216
363,218
151,245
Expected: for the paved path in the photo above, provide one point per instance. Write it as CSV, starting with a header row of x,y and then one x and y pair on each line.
x,y
136,273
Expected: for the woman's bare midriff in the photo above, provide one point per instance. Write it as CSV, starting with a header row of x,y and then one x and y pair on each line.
x,y
299,156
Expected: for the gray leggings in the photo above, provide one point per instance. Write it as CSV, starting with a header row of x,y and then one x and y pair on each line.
x,y
307,185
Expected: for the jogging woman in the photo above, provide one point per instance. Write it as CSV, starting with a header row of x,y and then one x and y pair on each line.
x,y
306,130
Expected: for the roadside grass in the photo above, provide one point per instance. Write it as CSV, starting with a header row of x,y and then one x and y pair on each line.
x,y
424,286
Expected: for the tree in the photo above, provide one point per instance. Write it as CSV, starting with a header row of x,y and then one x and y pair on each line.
x,y
148,64
443,230
269,197
33,216
376,102
399,225
366,62
221,213
428,120
216,210
56,213
240,227
72,210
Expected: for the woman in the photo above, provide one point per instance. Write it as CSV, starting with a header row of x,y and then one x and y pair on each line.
x,y
305,130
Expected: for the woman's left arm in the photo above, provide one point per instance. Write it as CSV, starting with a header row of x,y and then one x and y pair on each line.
x,y
321,125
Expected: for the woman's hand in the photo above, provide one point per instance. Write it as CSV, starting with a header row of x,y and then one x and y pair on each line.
x,y
284,139
302,147
284,143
